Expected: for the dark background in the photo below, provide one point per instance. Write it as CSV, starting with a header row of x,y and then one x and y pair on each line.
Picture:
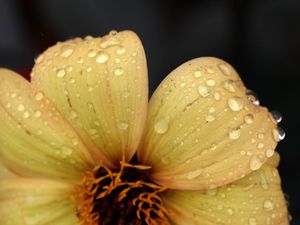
x,y
261,38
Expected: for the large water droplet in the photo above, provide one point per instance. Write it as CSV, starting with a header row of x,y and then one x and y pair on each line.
x,y
203,90
276,116
235,103
252,97
255,162
224,69
66,51
235,133
102,57
161,126
60,73
278,134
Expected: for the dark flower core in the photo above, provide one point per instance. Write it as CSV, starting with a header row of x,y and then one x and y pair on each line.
x,y
125,196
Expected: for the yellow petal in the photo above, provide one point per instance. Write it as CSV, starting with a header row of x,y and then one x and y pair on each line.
x,y
35,140
202,130
5,172
36,202
100,85
257,199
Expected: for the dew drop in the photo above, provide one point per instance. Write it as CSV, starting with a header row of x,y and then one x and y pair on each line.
x,y
197,73
255,162
66,151
278,134
122,125
118,71
121,50
21,108
217,96
235,133
252,221
210,118
276,116
39,96
269,152
249,118
79,60
193,174
235,103
113,32
260,145
203,90
268,205
210,70
92,53
39,59
224,69
230,211
66,51
210,82
26,115
37,114
102,57
60,73
161,126
252,97
229,85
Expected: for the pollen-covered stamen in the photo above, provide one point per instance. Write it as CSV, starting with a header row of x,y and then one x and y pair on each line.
x,y
121,197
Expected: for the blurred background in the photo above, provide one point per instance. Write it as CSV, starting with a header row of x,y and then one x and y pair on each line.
x,y
260,38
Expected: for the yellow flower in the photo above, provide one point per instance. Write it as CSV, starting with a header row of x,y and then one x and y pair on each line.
x,y
80,144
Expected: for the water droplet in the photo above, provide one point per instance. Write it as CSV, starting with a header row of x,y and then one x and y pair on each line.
x,y
13,95
249,118
109,43
210,118
37,114
229,85
161,126
66,151
217,96
118,71
252,221
89,69
197,73
193,174
21,108
278,134
26,114
277,116
79,60
39,96
102,57
252,97
66,51
211,109
224,69
260,145
210,82
123,125
269,152
235,133
203,90
210,70
60,73
113,32
230,211
268,205
255,162
73,115
92,53
121,50
235,103
39,59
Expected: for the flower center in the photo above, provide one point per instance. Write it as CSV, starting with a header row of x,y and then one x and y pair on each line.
x,y
120,197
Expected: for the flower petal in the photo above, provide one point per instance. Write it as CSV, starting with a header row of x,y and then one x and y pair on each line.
x,y
36,202
35,140
100,85
255,199
203,130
